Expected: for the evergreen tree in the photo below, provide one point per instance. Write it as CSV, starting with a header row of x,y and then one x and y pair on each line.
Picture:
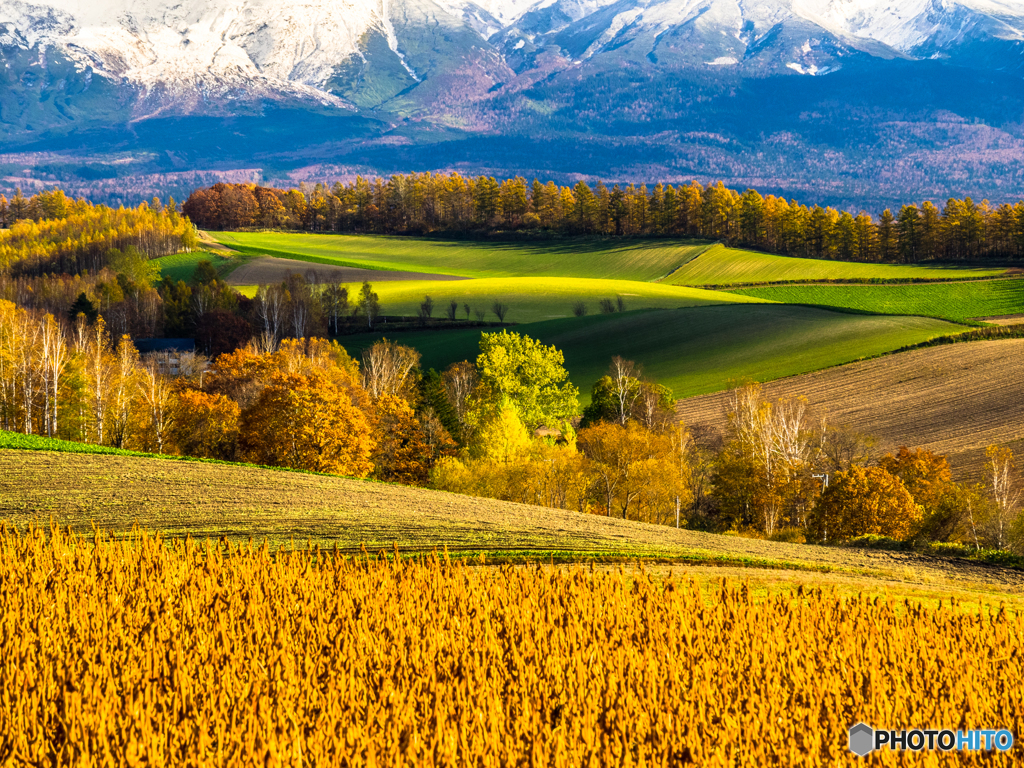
x,y
908,233
887,236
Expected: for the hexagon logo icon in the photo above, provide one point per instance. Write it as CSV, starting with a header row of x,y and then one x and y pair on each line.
x,y
862,739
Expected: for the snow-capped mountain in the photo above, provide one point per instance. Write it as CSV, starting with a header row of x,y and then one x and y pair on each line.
x,y
783,92
329,50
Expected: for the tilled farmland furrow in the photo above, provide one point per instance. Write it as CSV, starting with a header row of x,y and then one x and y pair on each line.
x,y
955,399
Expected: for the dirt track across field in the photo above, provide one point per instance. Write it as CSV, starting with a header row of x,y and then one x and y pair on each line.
x,y
269,269
955,400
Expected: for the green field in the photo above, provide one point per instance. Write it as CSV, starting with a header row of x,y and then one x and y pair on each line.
x,y
643,260
954,301
695,350
706,342
181,266
532,299
676,262
729,266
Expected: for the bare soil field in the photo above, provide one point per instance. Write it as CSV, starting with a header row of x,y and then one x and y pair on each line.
x,y
204,500
954,400
270,269
1004,320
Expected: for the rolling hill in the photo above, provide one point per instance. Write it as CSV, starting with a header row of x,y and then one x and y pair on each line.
x,y
85,491
533,299
672,262
595,258
955,301
721,266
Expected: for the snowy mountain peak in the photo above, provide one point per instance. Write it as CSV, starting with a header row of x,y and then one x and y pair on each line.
x,y
366,52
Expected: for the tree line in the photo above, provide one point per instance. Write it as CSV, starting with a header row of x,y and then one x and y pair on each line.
x,y
507,426
422,203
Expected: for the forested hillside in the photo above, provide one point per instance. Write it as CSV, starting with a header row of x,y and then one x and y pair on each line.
x,y
65,257
452,203
50,233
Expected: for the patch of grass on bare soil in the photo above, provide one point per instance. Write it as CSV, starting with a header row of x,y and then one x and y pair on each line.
x,y
182,266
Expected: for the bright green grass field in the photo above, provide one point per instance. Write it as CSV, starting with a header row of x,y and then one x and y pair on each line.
x,y
593,258
954,301
676,262
724,266
181,266
694,350
532,299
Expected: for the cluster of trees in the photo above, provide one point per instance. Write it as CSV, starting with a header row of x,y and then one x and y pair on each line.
x,y
422,203
504,426
776,472
307,404
51,234
779,469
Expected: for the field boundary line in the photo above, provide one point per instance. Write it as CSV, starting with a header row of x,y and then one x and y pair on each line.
x,y
690,260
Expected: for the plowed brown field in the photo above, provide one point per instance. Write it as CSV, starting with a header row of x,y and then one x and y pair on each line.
x,y
954,400
270,269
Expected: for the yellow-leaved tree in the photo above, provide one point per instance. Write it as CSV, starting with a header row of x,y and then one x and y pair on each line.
x,y
204,424
503,437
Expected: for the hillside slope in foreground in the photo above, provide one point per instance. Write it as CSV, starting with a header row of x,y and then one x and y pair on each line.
x,y
207,500
955,399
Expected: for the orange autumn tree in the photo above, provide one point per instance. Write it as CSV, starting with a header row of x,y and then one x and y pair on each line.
x,y
204,425
402,454
925,474
307,421
864,500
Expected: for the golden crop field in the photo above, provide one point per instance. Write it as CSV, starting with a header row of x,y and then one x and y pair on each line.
x,y
136,652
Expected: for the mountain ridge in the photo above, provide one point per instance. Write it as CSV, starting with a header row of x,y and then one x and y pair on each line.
x,y
648,89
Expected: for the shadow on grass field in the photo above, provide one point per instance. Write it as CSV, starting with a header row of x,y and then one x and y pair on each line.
x,y
693,350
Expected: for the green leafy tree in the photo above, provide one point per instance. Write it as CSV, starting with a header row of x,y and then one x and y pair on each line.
x,y
530,375
369,304
205,273
134,265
